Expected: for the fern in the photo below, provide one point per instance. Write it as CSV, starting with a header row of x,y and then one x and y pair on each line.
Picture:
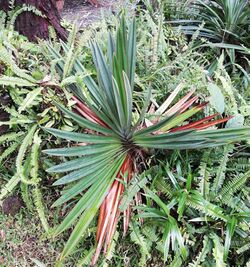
x,y
234,185
135,186
197,202
8,151
139,239
86,259
218,251
164,186
22,150
24,78
30,99
221,170
202,254
204,174
15,81
150,233
241,164
19,11
25,193
37,195
3,17
177,261
10,136
8,188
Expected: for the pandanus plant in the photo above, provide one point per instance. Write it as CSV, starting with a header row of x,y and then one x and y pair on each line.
x,y
113,143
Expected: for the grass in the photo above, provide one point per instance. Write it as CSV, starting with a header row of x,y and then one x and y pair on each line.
x,y
23,239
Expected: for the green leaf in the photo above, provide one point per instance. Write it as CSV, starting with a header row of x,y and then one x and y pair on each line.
x,y
81,150
84,122
15,81
231,225
29,99
217,98
80,137
131,53
81,162
92,205
236,121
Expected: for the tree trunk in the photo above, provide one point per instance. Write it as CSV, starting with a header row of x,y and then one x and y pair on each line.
x,y
34,26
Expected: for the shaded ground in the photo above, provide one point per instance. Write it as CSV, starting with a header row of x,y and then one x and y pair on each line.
x,y
83,13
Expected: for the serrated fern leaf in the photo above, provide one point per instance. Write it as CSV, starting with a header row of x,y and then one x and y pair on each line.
x,y
164,186
202,254
231,187
26,196
22,150
177,261
135,186
37,195
8,151
7,188
197,202
87,257
10,136
30,99
221,170
15,81
139,239
204,174
218,251
7,59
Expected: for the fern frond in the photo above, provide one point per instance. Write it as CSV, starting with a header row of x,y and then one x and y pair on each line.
x,y
16,121
7,59
24,8
164,186
218,251
10,136
139,239
30,99
202,254
37,195
72,35
204,174
15,81
7,188
221,170
177,261
197,202
26,196
9,151
150,233
239,164
135,186
22,150
3,17
87,257
234,185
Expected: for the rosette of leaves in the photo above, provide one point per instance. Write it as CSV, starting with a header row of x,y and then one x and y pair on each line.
x,y
113,144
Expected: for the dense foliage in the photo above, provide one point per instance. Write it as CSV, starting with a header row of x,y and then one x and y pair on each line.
x,y
112,103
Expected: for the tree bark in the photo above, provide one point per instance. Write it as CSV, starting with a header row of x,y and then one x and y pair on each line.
x,y
34,26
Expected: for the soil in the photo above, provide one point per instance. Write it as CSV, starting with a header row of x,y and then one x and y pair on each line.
x,y
12,205
83,13
4,116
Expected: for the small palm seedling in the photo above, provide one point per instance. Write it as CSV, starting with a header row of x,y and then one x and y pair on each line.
x,y
114,142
